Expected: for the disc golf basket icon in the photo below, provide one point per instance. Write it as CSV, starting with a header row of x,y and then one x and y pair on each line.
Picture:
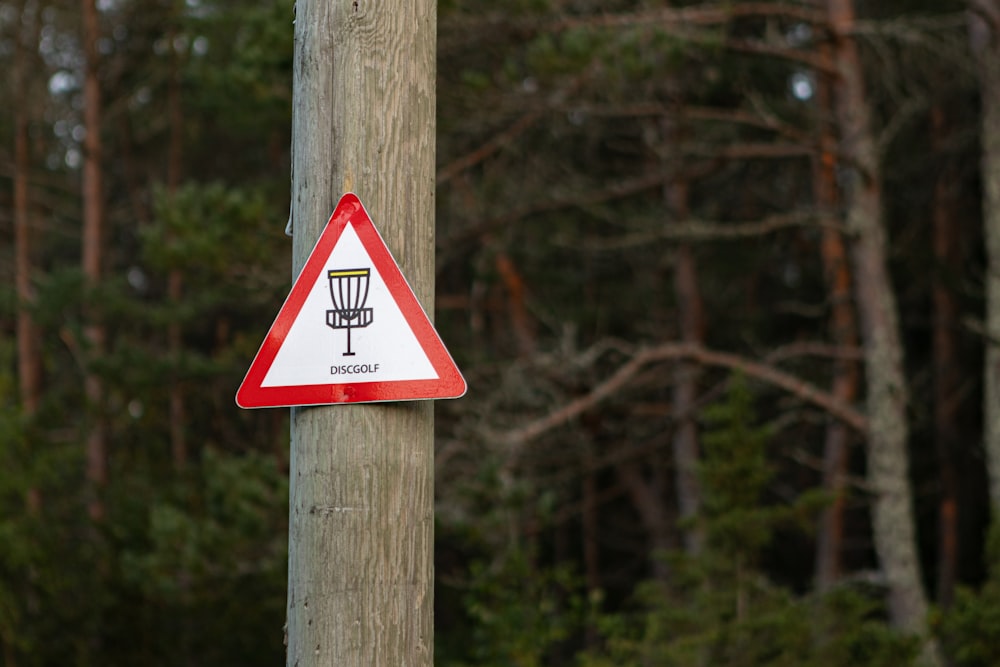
x,y
349,292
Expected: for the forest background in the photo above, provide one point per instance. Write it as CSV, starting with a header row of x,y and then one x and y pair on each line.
x,y
724,279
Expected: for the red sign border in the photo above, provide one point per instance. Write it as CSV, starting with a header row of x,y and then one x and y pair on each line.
x,y
449,383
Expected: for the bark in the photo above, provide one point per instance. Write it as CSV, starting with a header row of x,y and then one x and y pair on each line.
x,y
590,519
175,279
893,525
690,314
648,491
361,512
29,360
591,531
175,342
946,362
29,353
843,333
93,242
984,33
518,317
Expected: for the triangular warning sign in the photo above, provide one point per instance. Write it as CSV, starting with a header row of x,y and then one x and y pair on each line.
x,y
351,329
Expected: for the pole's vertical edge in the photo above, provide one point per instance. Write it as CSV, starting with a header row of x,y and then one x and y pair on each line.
x,y
361,512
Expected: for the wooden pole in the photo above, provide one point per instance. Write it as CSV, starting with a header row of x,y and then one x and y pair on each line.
x,y
361,515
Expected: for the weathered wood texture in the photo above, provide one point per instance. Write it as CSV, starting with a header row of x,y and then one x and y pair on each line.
x,y
361,509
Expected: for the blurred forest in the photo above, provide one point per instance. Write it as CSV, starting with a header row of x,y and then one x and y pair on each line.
x,y
723,277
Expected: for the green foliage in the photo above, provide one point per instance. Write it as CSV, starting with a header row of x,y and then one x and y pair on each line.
x,y
207,230
16,549
197,554
39,575
233,516
734,474
518,614
755,625
189,565
718,607
244,84
968,629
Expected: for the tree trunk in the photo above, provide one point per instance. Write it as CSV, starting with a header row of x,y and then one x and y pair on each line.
x,y
590,524
591,544
361,514
93,242
893,524
29,361
984,33
175,279
29,354
843,333
685,392
691,319
590,515
946,363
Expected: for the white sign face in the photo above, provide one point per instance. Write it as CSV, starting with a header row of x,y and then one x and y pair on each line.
x,y
383,350
351,330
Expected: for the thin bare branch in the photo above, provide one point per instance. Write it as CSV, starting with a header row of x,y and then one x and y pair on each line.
x,y
498,141
615,191
758,120
495,143
813,349
705,15
749,151
704,230
622,377
684,17
808,58
685,23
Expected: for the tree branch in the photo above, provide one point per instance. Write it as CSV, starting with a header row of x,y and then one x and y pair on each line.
x,y
615,191
703,230
498,141
701,15
460,164
618,380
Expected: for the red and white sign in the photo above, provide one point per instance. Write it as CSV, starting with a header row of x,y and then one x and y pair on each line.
x,y
351,329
